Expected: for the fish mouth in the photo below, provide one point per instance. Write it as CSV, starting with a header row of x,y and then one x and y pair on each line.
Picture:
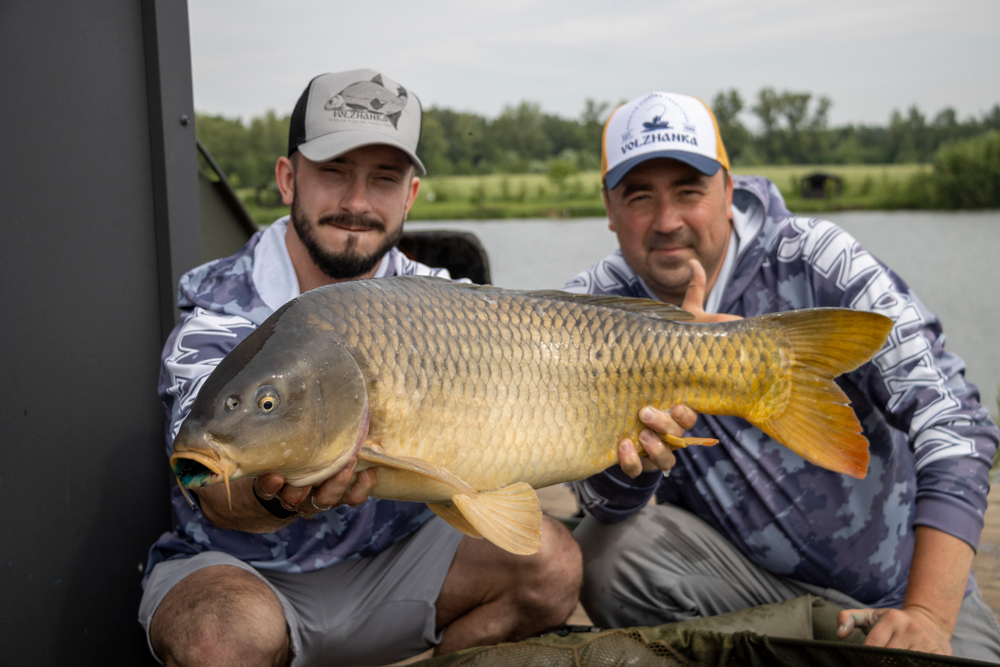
x,y
197,468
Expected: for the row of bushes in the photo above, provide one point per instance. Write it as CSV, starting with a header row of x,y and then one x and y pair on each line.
x,y
965,175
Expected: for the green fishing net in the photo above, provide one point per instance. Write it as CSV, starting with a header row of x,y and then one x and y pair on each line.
x,y
799,633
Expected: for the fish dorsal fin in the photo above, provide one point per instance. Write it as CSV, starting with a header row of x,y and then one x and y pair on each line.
x,y
647,307
455,519
509,517
377,456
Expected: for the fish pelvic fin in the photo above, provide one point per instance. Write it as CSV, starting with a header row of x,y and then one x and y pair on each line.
x,y
509,517
817,421
455,519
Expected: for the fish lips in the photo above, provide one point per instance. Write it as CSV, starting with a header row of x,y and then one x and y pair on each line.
x,y
202,462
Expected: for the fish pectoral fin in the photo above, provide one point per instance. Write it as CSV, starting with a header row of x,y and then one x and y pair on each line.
x,y
419,466
508,517
679,443
455,519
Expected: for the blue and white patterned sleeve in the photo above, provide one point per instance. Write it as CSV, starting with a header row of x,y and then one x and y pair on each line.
x,y
195,347
919,386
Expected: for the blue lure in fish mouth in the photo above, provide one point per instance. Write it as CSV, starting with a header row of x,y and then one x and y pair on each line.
x,y
192,474
194,469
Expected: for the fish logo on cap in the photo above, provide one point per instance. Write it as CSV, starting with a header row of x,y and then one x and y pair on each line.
x,y
341,111
661,125
370,97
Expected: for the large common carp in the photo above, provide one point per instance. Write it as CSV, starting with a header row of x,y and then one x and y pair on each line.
x,y
468,398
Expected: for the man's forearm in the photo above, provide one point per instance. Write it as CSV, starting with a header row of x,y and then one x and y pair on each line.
x,y
939,574
247,514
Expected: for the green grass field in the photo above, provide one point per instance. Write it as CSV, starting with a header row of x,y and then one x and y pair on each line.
x,y
537,196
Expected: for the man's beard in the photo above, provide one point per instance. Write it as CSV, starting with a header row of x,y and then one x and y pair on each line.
x,y
349,263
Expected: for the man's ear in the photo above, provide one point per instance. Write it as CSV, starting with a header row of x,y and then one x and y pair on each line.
x,y
284,175
729,196
412,196
607,209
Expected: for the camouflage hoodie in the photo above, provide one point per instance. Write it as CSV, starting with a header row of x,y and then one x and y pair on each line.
x,y
931,441
221,303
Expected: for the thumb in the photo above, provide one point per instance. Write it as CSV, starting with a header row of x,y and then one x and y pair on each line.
x,y
694,297
862,619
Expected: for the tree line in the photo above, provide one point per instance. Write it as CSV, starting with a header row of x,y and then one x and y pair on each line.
x,y
794,129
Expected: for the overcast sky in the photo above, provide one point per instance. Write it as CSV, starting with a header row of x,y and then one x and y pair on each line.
x,y
249,56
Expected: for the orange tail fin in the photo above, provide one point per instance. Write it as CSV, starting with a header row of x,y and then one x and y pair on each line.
x,y
817,422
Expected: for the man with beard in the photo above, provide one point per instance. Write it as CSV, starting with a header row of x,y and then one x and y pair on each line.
x,y
323,574
748,522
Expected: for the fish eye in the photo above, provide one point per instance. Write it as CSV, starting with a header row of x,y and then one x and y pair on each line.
x,y
232,403
267,399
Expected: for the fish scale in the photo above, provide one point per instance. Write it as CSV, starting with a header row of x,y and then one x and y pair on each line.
x,y
534,353
467,397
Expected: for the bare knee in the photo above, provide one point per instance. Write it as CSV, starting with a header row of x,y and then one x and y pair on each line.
x,y
547,585
220,615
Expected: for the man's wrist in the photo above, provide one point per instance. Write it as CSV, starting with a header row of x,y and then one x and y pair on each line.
x,y
274,506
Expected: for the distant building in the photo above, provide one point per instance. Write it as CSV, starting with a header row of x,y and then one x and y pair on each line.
x,y
821,186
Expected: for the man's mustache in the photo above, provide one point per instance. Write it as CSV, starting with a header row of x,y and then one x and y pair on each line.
x,y
352,221
677,239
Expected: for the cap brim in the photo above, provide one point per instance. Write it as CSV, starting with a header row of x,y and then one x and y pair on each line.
x,y
705,165
335,144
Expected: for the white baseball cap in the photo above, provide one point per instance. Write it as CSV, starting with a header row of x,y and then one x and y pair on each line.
x,y
340,112
661,125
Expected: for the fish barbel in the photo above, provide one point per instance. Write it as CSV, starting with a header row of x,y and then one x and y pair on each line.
x,y
470,397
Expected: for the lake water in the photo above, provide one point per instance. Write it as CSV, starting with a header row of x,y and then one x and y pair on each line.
x,y
951,260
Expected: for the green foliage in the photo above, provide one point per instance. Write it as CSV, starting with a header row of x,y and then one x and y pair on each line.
x,y
735,136
246,153
791,133
534,195
967,174
559,172
523,139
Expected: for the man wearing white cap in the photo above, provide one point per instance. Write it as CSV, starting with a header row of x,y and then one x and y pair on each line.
x,y
324,574
748,522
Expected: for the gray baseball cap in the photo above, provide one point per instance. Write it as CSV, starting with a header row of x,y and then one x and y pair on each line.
x,y
346,110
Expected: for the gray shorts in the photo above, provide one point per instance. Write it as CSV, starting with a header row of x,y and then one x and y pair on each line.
x,y
369,611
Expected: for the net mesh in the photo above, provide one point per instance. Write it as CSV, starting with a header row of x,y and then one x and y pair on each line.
x,y
655,647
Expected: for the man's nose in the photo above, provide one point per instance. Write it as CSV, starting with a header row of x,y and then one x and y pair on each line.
x,y
356,198
667,218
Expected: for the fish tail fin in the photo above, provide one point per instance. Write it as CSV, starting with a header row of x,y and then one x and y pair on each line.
x,y
455,519
509,517
817,421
